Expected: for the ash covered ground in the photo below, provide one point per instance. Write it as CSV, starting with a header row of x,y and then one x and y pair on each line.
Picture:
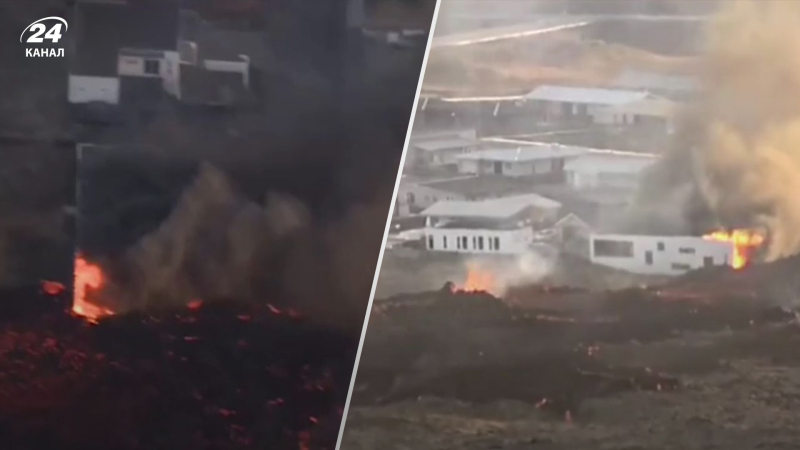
x,y
707,361
210,375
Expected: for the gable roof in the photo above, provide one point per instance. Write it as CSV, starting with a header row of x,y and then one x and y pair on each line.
x,y
534,152
497,208
592,96
444,144
639,79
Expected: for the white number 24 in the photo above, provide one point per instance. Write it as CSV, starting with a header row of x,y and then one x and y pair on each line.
x,y
53,34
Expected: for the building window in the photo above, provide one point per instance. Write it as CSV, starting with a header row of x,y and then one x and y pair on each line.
x,y
661,246
430,242
464,244
686,250
444,242
151,66
648,258
480,242
458,243
474,242
497,243
491,243
613,249
708,261
678,266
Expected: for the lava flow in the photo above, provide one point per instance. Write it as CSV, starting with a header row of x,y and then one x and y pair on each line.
x,y
745,242
88,276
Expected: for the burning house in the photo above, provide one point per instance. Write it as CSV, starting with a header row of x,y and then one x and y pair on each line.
x,y
504,225
673,255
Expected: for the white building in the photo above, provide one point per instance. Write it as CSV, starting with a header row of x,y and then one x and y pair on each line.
x,y
123,43
128,52
541,160
599,169
601,106
497,226
442,148
658,255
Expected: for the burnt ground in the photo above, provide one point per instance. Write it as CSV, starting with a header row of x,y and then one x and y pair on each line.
x,y
689,365
217,375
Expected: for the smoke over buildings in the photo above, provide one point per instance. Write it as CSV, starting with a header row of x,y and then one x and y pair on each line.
x,y
736,160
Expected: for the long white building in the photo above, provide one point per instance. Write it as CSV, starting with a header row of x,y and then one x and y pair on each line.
x,y
659,255
496,226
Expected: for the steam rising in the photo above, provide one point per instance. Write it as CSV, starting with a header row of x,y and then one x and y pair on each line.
x,y
737,161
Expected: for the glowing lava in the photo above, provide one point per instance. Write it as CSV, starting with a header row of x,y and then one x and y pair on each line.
x,y
479,280
88,276
745,242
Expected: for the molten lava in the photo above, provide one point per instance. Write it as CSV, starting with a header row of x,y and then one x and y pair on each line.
x,y
479,280
88,276
745,243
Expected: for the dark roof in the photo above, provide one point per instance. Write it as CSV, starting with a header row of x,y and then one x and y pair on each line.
x,y
151,24
101,29
207,87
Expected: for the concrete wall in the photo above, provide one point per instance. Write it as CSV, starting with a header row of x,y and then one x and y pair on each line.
x,y
511,242
242,67
83,89
671,255
172,73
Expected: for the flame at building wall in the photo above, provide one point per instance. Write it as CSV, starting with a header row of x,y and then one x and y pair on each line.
x,y
745,244
88,278
736,160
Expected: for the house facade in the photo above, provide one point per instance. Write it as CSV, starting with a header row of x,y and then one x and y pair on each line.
x,y
498,226
658,255
438,149
123,50
600,169
543,161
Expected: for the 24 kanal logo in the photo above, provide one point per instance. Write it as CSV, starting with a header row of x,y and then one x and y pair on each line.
x,y
50,29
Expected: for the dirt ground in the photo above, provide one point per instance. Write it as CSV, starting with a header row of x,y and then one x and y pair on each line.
x,y
565,368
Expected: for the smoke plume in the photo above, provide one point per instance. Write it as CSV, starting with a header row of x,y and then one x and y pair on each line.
x,y
736,163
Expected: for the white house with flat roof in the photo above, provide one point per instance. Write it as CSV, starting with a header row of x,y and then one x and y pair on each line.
x,y
599,169
496,226
658,255
542,160
602,106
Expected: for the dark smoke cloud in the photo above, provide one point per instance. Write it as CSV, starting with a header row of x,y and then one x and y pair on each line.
x,y
290,204
736,163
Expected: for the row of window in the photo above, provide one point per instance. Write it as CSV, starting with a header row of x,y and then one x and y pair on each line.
x,y
462,243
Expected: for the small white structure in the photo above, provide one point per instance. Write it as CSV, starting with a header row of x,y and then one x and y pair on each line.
x,y
607,169
414,196
440,148
658,255
602,106
497,226
536,159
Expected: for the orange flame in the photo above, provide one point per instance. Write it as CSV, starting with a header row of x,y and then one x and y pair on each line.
x,y
744,243
88,276
479,280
